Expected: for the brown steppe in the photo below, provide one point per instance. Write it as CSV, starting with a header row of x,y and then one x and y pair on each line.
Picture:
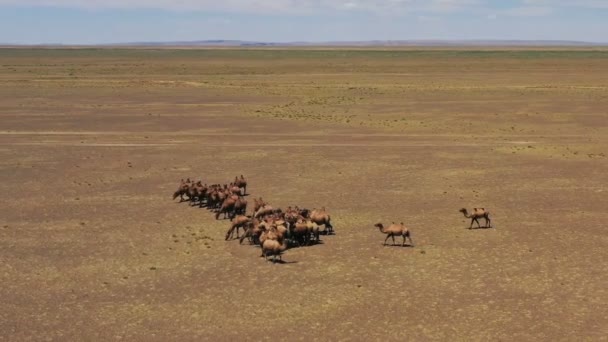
x,y
94,141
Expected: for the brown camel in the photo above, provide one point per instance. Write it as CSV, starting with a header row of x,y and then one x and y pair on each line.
x,y
240,207
395,230
240,221
182,190
252,232
300,232
476,214
227,208
241,183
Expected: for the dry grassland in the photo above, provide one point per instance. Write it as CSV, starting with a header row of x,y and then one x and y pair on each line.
x,y
94,141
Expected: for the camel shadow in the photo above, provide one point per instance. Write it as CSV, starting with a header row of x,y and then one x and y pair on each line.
x,y
407,245
283,262
481,228
310,244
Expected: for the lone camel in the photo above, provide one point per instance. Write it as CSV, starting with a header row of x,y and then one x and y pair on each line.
x,y
395,230
476,214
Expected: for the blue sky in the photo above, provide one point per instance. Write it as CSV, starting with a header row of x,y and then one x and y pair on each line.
x,y
115,21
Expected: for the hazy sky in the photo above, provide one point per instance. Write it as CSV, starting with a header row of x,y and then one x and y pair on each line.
x,y
111,21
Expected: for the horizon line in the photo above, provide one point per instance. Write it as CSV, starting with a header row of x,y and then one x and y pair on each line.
x,y
344,43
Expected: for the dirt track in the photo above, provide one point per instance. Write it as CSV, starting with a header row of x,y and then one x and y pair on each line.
x,y
93,145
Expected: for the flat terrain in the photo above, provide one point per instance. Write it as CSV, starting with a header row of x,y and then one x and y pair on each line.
x,y
94,141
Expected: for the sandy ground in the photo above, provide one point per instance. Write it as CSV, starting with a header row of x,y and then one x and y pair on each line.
x,y
93,143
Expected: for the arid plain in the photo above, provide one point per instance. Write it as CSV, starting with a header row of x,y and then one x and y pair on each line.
x,y
93,142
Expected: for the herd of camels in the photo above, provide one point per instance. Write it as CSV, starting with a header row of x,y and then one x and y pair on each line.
x,y
275,229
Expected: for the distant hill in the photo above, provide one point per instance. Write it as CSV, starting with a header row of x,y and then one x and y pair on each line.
x,y
372,43
367,43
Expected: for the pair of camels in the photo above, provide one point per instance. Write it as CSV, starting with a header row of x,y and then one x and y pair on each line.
x,y
401,230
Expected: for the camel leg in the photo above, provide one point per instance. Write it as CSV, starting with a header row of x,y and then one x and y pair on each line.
x,y
242,238
488,222
229,234
387,236
478,225
403,243
472,220
393,236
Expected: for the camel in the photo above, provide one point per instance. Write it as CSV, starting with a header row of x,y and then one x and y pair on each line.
x,y
182,190
257,204
266,229
302,212
281,227
227,208
253,232
273,247
241,183
196,192
240,221
301,233
272,244
395,230
321,217
240,207
305,231
266,210
235,190
313,231
476,214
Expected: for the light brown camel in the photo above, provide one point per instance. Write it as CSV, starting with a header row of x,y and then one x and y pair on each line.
x,y
274,245
476,214
395,230
321,217
266,210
